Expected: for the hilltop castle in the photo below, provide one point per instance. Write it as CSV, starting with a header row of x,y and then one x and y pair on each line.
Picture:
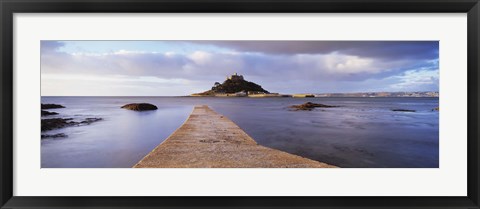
x,y
235,77
234,85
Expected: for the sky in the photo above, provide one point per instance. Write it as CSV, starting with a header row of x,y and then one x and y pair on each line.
x,y
177,68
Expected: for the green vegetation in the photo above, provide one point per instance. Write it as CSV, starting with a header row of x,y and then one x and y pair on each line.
x,y
234,84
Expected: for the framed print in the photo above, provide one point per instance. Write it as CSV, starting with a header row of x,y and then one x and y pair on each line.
x,y
239,104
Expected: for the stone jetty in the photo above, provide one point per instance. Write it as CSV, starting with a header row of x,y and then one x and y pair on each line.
x,y
210,140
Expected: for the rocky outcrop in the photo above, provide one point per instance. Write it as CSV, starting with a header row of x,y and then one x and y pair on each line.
x,y
403,110
310,106
233,85
46,113
59,135
51,106
139,106
56,123
87,121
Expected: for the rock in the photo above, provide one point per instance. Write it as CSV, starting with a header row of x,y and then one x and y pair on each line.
x,y
90,120
51,106
59,135
436,109
139,106
45,113
310,106
56,123
403,110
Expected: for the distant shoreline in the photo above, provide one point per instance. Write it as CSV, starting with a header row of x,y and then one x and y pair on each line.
x,y
416,94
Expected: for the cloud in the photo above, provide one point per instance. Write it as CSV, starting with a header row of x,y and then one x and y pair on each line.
x,y
301,65
415,79
377,49
200,57
50,46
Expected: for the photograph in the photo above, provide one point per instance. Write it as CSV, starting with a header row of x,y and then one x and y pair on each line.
x,y
239,104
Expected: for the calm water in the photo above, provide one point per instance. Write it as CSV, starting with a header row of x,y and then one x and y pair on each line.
x,y
363,132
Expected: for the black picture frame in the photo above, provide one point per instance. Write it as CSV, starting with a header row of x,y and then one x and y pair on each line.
x,y
10,7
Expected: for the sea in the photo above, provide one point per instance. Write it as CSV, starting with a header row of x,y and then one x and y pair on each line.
x,y
360,133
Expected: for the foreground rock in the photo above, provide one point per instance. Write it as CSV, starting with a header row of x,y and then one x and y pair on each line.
x,y
310,106
56,123
59,135
403,110
51,106
46,113
139,106
90,120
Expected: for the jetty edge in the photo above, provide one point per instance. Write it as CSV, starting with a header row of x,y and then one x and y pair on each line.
x,y
210,140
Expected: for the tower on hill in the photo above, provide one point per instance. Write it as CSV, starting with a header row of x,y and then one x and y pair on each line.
x,y
235,77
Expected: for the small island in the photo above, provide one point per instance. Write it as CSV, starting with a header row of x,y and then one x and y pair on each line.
x,y
236,86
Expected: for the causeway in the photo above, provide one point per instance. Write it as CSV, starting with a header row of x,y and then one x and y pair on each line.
x,y
210,140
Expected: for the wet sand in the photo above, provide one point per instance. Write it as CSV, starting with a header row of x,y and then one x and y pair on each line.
x,y
210,140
